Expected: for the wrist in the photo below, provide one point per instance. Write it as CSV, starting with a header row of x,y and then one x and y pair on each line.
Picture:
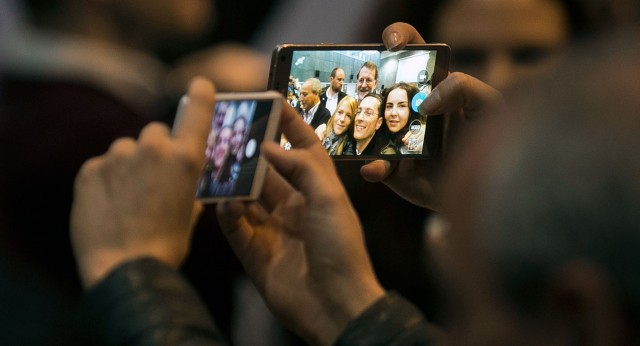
x,y
348,306
95,265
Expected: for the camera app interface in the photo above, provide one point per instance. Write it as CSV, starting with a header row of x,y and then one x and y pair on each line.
x,y
363,102
233,145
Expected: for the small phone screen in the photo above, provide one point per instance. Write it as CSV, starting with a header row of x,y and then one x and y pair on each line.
x,y
367,105
233,148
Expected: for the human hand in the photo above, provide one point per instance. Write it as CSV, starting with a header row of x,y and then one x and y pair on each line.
x,y
321,130
138,198
461,98
302,243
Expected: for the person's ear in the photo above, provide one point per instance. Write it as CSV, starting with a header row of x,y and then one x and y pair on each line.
x,y
584,304
378,123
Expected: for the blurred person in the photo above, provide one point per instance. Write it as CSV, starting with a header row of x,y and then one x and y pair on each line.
x,y
237,139
221,151
335,135
366,80
500,41
333,93
367,121
312,111
583,291
231,166
563,273
399,116
74,77
131,228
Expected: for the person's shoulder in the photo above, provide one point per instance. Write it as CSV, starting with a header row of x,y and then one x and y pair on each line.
x,y
323,96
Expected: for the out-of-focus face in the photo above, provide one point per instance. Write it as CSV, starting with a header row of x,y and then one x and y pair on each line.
x,y
337,81
367,119
237,137
477,309
500,41
221,150
307,98
366,82
342,119
396,110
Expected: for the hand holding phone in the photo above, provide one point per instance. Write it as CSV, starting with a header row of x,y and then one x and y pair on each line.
x,y
459,98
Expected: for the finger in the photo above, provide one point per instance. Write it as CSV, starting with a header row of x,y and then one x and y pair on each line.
x,y
397,35
275,189
459,91
120,150
195,119
377,170
229,214
255,213
195,213
252,250
154,139
310,171
88,171
406,137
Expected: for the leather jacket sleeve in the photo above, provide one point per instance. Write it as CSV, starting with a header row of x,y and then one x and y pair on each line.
x,y
144,302
391,320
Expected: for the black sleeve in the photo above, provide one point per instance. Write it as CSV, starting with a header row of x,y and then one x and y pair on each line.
x,y
391,320
144,302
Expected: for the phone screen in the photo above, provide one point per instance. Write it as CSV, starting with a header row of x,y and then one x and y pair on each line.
x,y
233,166
367,103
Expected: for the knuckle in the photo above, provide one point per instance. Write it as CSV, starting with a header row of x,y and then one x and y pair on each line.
x,y
89,170
121,148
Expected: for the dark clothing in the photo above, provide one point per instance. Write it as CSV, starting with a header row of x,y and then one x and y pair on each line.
x,y
143,302
321,116
374,147
323,96
349,147
391,320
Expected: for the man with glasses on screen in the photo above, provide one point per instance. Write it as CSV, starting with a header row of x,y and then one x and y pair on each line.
x,y
367,122
367,80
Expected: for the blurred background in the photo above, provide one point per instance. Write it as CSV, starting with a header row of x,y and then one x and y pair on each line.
x,y
76,74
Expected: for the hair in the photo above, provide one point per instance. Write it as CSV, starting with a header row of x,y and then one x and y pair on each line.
x,y
316,85
377,97
334,71
411,90
371,66
240,117
353,105
564,184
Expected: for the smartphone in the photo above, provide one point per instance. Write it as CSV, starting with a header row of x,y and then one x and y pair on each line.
x,y
384,127
234,167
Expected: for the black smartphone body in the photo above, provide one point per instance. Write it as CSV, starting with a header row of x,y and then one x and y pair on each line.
x,y
386,126
234,168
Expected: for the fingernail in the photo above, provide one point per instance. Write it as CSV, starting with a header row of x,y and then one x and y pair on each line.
x,y
392,40
431,103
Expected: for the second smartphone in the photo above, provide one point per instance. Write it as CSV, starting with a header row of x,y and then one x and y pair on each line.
x,y
378,118
234,167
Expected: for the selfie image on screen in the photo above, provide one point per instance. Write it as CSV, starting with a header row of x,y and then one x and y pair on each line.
x,y
363,102
232,151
